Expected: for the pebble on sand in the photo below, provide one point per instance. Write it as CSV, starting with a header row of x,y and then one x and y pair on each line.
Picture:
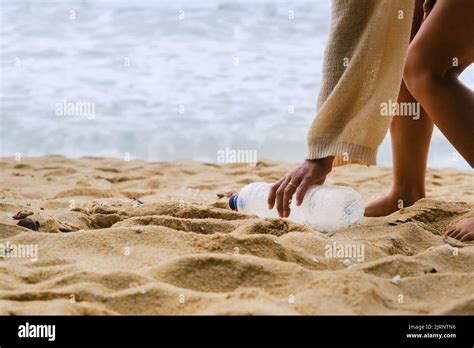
x,y
30,224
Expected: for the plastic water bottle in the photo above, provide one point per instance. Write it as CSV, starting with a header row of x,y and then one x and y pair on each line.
x,y
324,208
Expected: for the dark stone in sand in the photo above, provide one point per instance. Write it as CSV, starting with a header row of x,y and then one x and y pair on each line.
x,y
431,270
64,229
30,224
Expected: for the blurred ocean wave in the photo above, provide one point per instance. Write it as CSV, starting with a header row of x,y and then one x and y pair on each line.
x,y
168,79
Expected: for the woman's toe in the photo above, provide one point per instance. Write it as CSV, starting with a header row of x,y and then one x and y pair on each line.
x,y
456,233
449,231
467,237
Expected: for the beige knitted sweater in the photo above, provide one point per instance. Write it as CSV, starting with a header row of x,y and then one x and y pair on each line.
x,y
363,67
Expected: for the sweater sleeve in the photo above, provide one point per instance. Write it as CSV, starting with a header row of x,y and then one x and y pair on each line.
x,y
362,69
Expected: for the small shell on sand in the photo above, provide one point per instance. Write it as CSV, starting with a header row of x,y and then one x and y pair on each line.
x,y
396,279
347,263
22,214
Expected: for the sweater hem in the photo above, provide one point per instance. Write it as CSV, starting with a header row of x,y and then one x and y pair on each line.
x,y
345,153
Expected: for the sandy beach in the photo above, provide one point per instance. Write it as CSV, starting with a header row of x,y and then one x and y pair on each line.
x,y
134,237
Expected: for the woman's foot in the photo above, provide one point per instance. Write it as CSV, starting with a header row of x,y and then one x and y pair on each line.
x,y
393,201
462,230
410,144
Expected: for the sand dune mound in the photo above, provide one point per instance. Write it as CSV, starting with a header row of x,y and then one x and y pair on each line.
x,y
131,237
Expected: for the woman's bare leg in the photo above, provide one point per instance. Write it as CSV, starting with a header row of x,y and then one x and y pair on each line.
x,y
427,84
410,144
441,49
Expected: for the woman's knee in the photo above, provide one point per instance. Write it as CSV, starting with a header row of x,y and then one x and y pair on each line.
x,y
420,75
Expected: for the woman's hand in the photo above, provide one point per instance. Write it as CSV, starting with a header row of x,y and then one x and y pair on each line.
x,y
299,180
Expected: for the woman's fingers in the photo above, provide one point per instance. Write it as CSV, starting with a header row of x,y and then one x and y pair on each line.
x,y
311,172
305,186
302,189
288,192
279,195
273,192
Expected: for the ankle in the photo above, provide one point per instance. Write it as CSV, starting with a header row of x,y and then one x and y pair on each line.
x,y
407,195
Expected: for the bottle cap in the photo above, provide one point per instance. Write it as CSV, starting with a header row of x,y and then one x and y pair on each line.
x,y
233,202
